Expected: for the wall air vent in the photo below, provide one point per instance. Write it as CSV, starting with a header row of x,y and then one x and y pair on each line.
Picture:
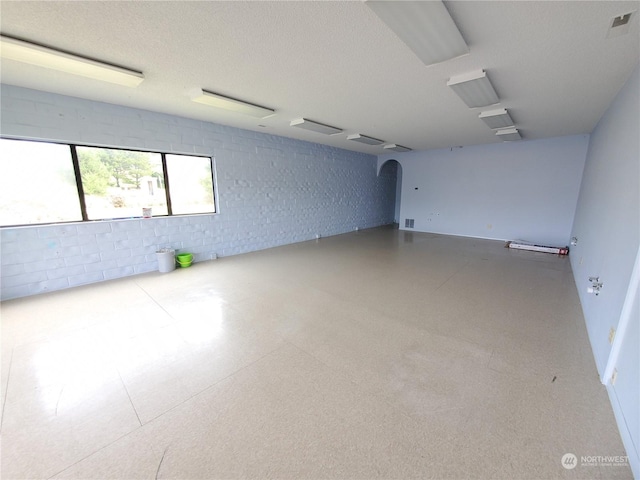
x,y
620,24
408,222
621,20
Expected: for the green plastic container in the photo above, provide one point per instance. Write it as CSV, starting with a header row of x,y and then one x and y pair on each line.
x,y
184,260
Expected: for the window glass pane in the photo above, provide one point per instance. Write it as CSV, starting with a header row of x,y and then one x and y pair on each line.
x,y
120,183
37,183
190,184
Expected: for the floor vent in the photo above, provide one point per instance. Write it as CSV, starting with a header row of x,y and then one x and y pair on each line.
x,y
408,222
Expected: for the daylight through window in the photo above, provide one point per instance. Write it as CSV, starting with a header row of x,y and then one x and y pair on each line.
x,y
120,183
39,183
191,184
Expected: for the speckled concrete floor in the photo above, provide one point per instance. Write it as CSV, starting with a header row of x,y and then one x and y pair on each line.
x,y
376,354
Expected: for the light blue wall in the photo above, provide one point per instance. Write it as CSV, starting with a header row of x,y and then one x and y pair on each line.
x,y
625,394
607,221
272,191
607,226
523,190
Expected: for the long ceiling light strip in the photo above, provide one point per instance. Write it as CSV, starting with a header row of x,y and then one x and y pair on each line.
x,y
315,126
356,137
474,89
508,134
228,103
425,27
26,52
396,148
498,118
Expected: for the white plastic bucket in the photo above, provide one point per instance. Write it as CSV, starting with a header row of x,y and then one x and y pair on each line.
x,y
166,260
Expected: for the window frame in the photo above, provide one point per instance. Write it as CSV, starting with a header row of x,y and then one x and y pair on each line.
x,y
80,189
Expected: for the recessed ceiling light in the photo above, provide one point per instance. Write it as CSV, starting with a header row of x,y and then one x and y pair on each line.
x,y
474,89
41,56
498,118
356,137
396,148
508,134
315,126
425,27
227,103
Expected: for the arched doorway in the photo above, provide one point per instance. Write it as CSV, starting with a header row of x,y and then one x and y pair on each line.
x,y
391,171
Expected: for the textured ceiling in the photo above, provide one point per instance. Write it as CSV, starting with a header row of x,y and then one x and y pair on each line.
x,y
337,63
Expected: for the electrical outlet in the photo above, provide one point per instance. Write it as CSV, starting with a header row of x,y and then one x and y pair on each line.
x,y
614,376
581,260
612,335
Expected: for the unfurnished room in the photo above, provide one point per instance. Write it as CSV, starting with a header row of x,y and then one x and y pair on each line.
x,y
320,239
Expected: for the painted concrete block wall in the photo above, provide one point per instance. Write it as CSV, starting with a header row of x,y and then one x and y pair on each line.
x,y
607,226
523,190
272,191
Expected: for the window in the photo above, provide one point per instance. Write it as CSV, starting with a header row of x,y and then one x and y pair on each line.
x,y
37,184
50,183
191,182
120,183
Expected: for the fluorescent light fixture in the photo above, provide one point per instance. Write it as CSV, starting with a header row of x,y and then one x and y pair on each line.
x,y
227,103
474,89
396,148
498,118
356,137
425,27
508,134
26,52
315,126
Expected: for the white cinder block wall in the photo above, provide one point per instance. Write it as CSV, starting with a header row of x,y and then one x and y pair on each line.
x,y
271,191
